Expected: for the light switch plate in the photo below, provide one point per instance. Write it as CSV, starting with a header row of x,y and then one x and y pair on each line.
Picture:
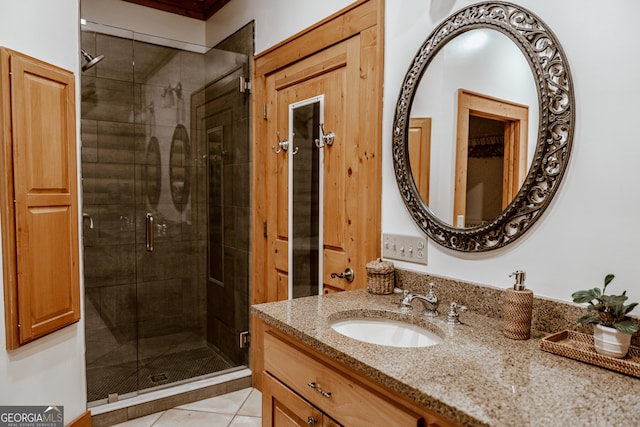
x,y
405,248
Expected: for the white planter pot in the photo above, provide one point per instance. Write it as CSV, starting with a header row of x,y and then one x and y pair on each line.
x,y
610,341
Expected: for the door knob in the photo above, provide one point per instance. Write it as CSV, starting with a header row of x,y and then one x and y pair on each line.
x,y
348,274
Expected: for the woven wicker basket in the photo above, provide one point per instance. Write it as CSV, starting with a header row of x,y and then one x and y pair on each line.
x,y
380,277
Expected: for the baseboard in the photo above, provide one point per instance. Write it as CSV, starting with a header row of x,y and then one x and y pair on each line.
x,y
107,418
83,420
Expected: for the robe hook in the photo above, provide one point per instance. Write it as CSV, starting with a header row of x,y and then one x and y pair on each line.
x,y
325,138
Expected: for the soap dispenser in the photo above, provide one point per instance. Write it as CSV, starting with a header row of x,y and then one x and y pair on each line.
x,y
517,308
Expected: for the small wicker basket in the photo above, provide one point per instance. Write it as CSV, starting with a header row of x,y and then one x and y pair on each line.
x,y
380,277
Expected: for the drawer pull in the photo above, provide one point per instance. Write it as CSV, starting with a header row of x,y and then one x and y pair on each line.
x,y
317,388
311,421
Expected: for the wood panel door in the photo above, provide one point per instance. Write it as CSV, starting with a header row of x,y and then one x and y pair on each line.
x,y
340,60
327,75
40,236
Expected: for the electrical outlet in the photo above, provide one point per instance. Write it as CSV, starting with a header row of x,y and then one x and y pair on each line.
x,y
405,248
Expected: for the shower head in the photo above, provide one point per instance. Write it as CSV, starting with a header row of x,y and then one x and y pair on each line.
x,y
91,61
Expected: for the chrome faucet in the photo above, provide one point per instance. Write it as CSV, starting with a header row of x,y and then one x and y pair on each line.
x,y
430,301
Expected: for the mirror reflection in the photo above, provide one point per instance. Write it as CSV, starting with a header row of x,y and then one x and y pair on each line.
x,y
473,128
179,167
305,189
152,172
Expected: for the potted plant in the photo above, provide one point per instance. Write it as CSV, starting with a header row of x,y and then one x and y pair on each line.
x,y
612,329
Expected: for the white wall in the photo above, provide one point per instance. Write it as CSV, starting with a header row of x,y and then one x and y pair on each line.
x,y
51,370
275,20
144,20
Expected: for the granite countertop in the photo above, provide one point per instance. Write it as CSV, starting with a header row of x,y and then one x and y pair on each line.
x,y
476,376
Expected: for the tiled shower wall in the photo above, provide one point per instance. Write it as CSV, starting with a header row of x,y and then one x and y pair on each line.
x,y
140,294
122,107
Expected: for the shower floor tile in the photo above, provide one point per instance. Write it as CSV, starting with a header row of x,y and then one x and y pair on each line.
x,y
103,380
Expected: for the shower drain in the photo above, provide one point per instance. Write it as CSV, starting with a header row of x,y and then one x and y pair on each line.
x,y
158,378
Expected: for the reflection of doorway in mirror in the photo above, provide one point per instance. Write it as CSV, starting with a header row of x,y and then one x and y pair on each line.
x,y
306,206
419,153
491,156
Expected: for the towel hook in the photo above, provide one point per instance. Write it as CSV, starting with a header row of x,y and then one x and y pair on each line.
x,y
282,143
325,138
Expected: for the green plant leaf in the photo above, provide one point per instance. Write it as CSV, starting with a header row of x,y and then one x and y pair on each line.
x,y
614,299
628,327
628,308
588,318
608,278
582,297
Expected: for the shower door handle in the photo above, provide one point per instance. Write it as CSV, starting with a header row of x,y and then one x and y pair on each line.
x,y
150,236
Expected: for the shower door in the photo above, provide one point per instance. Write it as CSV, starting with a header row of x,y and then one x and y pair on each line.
x,y
150,189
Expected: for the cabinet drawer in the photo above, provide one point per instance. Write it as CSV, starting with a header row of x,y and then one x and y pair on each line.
x,y
282,407
334,392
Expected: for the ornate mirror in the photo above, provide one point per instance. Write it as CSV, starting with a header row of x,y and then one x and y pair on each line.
x,y
483,127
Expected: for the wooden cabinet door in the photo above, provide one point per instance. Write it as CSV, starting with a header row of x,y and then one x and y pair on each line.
x,y
281,407
44,284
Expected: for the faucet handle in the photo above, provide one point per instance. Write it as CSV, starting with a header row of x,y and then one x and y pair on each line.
x,y
433,299
405,302
453,317
431,291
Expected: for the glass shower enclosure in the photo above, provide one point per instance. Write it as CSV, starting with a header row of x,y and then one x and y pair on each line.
x,y
165,182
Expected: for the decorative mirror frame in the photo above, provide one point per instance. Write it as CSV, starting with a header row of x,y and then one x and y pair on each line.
x,y
555,130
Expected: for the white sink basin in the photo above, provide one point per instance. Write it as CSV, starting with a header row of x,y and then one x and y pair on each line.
x,y
388,332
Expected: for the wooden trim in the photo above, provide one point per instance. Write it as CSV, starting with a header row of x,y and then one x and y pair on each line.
x,y
83,420
516,118
343,24
258,329
202,10
7,209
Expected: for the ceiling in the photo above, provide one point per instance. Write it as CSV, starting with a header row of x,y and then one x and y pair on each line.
x,y
198,9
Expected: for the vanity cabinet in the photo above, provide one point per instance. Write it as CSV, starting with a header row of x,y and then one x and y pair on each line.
x,y
299,383
38,198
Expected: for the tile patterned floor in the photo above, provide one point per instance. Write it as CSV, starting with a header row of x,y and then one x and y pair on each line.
x,y
240,408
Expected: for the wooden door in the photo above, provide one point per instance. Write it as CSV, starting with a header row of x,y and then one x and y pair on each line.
x,y
326,74
419,142
343,64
